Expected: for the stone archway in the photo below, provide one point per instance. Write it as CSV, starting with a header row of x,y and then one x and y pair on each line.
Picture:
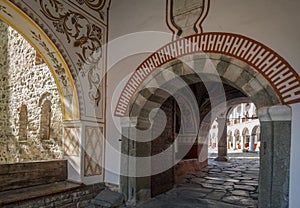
x,y
83,166
72,41
14,17
255,138
281,77
211,67
237,139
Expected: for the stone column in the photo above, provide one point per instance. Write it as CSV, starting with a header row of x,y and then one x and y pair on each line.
x,y
203,139
222,136
242,142
128,185
233,142
133,187
274,156
251,142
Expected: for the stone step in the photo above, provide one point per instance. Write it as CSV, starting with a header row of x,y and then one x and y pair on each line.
x,y
108,199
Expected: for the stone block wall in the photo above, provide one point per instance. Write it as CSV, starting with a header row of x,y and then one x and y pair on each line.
x,y
25,87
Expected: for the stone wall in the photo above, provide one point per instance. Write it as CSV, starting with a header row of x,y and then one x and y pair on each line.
x,y
25,82
79,198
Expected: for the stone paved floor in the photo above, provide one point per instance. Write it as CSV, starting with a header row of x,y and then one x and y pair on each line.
x,y
220,185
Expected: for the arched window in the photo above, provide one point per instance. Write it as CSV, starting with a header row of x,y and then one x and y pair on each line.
x,y
229,139
23,123
237,139
256,133
246,138
45,120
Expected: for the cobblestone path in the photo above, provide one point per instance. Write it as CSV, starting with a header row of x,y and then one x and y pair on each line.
x,y
220,185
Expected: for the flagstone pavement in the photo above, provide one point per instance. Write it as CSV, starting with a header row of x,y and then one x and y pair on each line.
x,y
219,185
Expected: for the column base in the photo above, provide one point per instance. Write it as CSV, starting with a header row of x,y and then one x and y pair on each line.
x,y
222,159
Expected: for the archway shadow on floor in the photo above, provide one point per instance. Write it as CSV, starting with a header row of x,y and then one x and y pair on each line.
x,y
219,185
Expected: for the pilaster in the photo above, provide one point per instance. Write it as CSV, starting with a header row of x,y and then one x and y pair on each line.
x,y
222,136
135,164
275,156
84,150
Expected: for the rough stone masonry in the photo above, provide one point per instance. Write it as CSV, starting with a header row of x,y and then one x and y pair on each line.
x,y
30,106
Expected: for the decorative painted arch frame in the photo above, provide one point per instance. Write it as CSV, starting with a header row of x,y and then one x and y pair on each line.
x,y
274,68
17,19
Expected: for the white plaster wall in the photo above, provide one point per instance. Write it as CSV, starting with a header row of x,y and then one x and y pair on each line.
x,y
128,16
136,29
295,158
271,22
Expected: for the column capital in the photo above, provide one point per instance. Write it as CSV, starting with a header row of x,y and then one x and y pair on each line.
x,y
128,121
275,113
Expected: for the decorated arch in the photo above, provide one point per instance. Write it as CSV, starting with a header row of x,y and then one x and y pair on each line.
x,y
275,69
17,19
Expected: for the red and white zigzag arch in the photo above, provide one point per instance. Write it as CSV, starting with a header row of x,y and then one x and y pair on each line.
x,y
283,78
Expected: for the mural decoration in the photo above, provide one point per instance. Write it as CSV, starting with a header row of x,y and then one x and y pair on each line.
x,y
4,10
82,34
58,68
17,19
96,5
71,141
93,151
274,68
186,17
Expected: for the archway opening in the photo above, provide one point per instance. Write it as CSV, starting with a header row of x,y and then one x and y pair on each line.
x,y
31,121
31,114
203,82
243,132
